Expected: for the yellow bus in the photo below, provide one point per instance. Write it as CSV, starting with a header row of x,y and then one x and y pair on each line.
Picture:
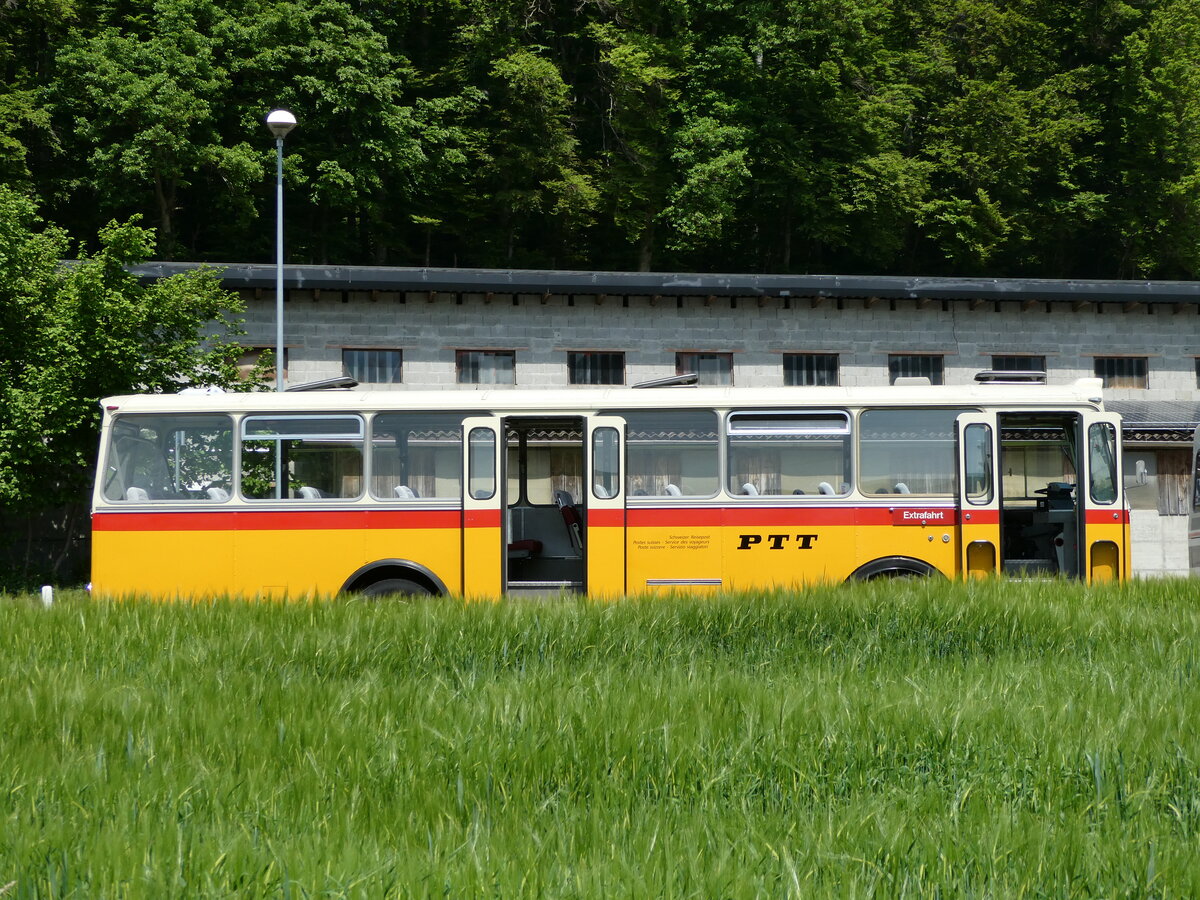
x,y
604,491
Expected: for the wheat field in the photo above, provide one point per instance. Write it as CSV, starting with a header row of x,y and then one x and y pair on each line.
x,y
909,738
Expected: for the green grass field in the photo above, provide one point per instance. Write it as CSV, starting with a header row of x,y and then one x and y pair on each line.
x,y
897,739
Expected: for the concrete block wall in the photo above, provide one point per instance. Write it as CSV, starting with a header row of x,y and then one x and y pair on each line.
x,y
542,329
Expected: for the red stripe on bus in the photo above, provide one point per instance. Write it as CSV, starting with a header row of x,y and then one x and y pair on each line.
x,y
273,520
1108,516
769,516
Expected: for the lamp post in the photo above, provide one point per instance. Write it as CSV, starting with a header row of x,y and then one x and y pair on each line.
x,y
279,123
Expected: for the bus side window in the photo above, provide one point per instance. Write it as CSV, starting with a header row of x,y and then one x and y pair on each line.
x,y
670,452
312,457
789,453
416,456
914,447
169,457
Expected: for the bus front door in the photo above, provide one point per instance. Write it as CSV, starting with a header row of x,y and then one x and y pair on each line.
x,y
605,538
978,496
483,558
1104,541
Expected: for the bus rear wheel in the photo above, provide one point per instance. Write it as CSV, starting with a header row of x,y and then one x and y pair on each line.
x,y
893,567
397,588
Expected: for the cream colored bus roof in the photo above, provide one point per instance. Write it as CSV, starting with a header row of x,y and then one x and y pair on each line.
x,y
1083,393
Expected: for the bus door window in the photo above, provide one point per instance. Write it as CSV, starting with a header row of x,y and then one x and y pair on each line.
x,y
788,453
302,457
169,457
1102,464
416,456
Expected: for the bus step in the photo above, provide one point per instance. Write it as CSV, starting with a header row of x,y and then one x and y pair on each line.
x,y
543,588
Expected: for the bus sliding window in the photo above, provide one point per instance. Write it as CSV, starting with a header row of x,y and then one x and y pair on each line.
x,y
169,457
302,457
789,453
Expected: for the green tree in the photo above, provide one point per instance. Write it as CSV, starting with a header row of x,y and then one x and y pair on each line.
x,y
73,334
144,97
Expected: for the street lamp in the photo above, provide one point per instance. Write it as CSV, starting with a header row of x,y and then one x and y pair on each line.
x,y
279,123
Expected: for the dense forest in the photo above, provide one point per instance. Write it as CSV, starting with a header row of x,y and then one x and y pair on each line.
x,y
1051,138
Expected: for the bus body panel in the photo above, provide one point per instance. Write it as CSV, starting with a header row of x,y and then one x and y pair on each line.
x,y
264,553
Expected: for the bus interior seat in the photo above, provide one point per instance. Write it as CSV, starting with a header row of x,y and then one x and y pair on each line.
x,y
566,505
798,491
404,492
902,488
601,491
311,493
218,494
749,489
524,549
673,491
136,493
826,488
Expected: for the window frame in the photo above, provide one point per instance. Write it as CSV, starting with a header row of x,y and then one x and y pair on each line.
x,y
681,357
895,358
460,356
397,370
833,358
1107,378
590,356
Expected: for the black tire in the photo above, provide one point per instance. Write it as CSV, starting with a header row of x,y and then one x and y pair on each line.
x,y
397,588
893,567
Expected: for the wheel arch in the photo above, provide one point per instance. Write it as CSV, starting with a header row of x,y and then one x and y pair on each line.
x,y
892,566
382,569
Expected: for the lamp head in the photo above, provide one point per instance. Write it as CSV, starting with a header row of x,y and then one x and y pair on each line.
x,y
280,122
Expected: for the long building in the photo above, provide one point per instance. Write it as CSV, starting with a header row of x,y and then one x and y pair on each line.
x,y
462,328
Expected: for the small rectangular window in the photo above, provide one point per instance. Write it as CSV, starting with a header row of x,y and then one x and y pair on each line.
x,y
486,366
914,365
302,457
1123,371
810,369
373,366
595,367
789,453
1018,363
710,368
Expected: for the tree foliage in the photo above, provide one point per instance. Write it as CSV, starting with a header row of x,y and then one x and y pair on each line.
x,y
73,334
967,137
